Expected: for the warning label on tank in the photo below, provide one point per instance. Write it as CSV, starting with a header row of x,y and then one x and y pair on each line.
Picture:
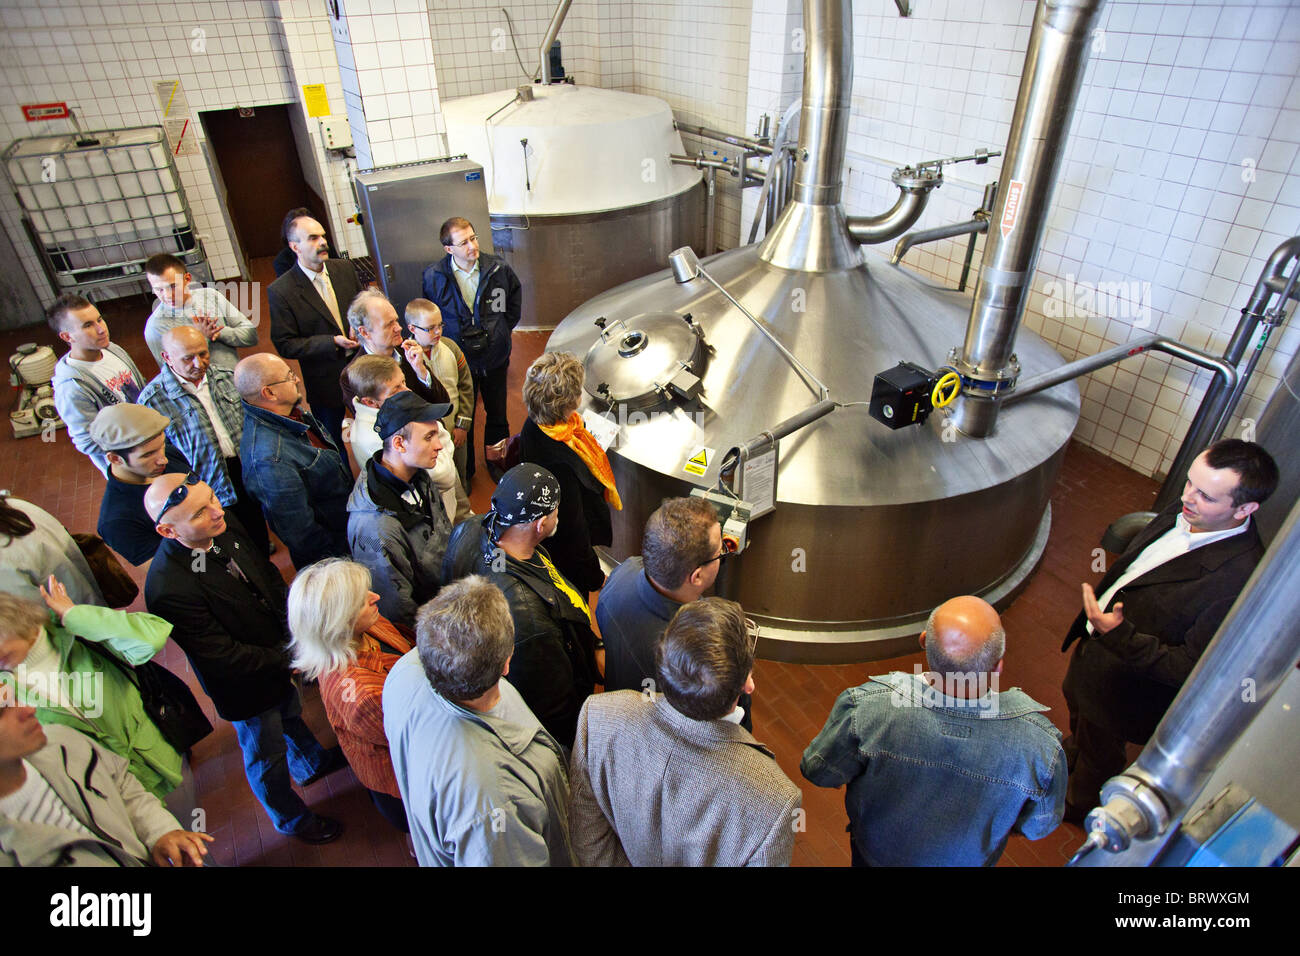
x,y
1012,208
698,463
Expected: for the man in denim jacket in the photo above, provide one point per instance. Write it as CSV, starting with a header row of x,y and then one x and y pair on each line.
x,y
941,767
291,464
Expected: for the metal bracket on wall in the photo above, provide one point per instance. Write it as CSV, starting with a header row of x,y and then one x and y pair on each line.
x,y
904,7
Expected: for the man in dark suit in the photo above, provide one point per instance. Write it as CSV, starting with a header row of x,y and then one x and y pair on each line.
x,y
308,307
227,606
374,323
1159,606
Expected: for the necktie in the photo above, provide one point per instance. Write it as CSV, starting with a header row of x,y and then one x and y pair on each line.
x,y
331,302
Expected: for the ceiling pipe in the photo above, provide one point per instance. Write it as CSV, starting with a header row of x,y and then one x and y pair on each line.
x,y
1049,87
553,31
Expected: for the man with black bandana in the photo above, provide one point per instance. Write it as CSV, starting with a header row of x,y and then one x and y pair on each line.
x,y
397,526
554,663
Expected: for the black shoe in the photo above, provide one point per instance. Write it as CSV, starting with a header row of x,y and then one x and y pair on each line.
x,y
334,761
319,830
494,472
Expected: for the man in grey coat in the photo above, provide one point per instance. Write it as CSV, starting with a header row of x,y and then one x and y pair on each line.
x,y
483,783
673,779
397,525
67,801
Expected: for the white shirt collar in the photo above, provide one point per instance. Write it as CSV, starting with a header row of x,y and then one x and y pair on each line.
x,y
313,276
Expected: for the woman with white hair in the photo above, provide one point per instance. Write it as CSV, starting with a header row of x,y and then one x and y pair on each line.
x,y
341,640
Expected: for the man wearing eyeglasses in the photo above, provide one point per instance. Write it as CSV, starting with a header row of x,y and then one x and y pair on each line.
x,y
291,464
672,779
681,555
227,606
481,301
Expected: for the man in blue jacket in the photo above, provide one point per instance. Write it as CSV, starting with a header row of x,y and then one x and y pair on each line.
x,y
480,299
292,467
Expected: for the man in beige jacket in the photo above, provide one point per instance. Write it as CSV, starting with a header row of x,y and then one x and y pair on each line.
x,y
672,779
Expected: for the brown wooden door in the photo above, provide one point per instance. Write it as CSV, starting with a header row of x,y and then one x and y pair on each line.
x,y
259,164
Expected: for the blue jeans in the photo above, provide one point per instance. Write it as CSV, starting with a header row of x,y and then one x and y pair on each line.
x,y
276,743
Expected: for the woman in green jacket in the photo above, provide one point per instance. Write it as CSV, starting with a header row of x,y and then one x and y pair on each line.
x,y
67,680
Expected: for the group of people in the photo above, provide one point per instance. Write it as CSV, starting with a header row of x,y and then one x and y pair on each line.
x,y
458,656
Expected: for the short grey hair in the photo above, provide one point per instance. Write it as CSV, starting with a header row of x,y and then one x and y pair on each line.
x,y
20,617
325,600
465,636
359,309
983,661
552,387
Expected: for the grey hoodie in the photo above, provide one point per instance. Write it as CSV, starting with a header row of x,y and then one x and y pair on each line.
x,y
79,395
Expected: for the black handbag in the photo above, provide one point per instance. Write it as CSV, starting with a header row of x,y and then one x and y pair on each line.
x,y
167,700
475,341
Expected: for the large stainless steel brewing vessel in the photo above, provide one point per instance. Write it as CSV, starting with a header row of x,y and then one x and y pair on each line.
x,y
873,527
581,189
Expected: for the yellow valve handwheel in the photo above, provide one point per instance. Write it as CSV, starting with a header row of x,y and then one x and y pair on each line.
x,y
945,390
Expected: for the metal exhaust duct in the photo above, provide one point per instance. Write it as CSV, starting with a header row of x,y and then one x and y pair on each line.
x,y
872,527
1049,87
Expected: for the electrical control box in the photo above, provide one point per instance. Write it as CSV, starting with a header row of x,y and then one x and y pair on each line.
x,y
733,515
335,133
901,396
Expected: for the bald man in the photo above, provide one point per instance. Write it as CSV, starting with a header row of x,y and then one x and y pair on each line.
x,y
207,421
941,767
227,606
291,465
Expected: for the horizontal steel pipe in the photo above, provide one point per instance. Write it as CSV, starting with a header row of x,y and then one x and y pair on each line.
x,y
934,235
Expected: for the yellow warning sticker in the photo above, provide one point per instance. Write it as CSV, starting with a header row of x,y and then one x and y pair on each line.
x,y
316,99
698,463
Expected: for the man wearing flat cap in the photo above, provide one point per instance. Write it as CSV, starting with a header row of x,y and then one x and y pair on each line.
x,y
554,664
134,442
397,525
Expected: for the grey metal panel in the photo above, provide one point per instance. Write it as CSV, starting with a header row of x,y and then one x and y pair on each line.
x,y
402,208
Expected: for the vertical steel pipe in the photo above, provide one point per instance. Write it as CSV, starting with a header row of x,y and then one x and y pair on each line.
x,y
1049,86
552,32
1216,408
827,94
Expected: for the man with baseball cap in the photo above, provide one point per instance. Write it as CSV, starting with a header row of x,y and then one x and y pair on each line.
x,y
397,525
133,440
554,664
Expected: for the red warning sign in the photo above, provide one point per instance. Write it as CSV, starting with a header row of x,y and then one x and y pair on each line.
x,y
45,111
1012,208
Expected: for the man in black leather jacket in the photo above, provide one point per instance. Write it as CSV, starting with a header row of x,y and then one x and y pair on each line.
x,y
554,663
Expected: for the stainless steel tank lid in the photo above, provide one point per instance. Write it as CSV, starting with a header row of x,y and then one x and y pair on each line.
x,y
634,360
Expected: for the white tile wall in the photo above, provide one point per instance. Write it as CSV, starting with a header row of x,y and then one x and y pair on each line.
x,y
490,50
385,58
1181,174
103,58
695,55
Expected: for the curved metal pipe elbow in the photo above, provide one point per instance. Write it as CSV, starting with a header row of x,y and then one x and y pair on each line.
x,y
866,230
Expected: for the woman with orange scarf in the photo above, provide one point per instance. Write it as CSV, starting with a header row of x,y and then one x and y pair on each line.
x,y
555,438
340,639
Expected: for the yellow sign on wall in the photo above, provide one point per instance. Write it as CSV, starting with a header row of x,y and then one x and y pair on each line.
x,y
315,99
